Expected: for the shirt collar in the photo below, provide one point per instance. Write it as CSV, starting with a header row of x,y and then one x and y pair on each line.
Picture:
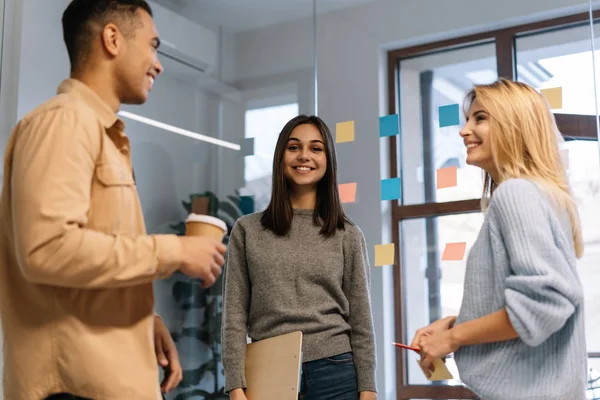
x,y
105,113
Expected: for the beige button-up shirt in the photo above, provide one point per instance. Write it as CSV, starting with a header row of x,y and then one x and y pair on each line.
x,y
76,264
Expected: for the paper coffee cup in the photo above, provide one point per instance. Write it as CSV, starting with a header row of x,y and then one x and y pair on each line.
x,y
205,225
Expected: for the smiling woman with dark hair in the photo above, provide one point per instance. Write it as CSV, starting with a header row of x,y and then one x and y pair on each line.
x,y
301,265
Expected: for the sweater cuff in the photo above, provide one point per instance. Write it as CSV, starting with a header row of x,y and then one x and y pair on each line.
x,y
366,381
236,380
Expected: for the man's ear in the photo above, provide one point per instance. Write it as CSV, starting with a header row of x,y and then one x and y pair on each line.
x,y
112,39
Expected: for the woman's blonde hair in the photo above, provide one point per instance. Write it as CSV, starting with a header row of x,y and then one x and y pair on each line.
x,y
525,144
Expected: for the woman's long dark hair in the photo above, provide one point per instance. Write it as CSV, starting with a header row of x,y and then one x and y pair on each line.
x,y
328,212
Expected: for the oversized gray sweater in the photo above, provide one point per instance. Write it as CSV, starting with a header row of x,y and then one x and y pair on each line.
x,y
300,282
524,261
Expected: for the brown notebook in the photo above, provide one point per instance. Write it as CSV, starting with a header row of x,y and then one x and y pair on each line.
x,y
273,367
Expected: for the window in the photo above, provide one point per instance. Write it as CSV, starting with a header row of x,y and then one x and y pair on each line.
x,y
426,83
432,287
264,125
560,58
547,54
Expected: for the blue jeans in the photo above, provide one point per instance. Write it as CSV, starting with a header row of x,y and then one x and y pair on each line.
x,y
331,378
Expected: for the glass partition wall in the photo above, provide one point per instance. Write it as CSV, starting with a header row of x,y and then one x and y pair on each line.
x,y
205,143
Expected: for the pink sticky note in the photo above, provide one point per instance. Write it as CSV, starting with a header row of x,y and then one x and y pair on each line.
x,y
454,251
348,192
447,177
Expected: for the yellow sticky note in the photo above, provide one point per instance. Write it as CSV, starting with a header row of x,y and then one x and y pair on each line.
x,y
554,97
384,254
347,192
454,251
440,371
447,177
344,132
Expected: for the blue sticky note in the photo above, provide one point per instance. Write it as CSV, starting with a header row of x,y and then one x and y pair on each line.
x,y
448,115
390,189
389,125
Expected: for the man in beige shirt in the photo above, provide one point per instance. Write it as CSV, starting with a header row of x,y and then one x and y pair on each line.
x,y
76,263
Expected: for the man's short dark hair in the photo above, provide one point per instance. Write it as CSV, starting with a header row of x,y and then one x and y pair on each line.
x,y
82,18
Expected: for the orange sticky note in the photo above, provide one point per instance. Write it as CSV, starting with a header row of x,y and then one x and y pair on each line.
x,y
454,251
554,97
384,254
446,177
348,192
344,132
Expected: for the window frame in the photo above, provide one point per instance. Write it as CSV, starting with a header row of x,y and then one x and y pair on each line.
x,y
571,126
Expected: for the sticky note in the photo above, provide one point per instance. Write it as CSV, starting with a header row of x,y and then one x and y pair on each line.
x,y
246,204
344,132
440,371
554,97
347,192
248,147
390,189
384,254
448,115
389,125
564,157
454,251
446,177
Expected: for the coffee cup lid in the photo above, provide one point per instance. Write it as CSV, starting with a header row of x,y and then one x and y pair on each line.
x,y
207,219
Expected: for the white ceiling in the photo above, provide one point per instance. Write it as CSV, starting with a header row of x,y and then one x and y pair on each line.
x,y
243,15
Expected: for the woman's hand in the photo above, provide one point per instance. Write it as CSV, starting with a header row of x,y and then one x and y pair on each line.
x,y
366,395
237,394
441,325
436,346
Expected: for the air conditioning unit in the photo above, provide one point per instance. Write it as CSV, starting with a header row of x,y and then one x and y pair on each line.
x,y
184,43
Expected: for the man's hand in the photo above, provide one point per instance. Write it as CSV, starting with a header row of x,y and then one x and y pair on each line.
x,y
367,395
203,258
166,355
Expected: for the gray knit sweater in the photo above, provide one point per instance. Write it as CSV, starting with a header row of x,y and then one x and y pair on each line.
x,y
524,260
300,282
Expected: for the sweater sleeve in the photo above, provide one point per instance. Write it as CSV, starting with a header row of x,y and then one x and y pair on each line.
x,y
357,287
543,289
236,300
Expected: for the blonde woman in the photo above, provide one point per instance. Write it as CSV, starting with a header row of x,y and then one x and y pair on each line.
x,y
520,330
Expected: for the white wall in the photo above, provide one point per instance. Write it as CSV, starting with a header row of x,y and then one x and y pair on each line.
x,y
1,117
350,43
38,63
10,69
